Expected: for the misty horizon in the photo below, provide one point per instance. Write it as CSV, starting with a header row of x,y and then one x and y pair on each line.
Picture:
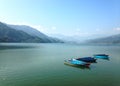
x,y
78,19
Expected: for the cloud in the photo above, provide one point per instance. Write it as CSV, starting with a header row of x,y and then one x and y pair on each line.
x,y
118,29
53,28
39,28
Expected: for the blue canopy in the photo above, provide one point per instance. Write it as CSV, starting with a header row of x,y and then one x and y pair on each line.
x,y
74,61
87,59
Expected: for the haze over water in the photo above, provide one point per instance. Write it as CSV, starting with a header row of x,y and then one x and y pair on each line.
x,y
43,65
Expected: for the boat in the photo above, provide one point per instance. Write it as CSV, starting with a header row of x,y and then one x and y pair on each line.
x,y
87,59
76,62
101,56
77,66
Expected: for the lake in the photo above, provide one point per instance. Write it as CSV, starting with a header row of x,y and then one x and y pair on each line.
x,y
33,64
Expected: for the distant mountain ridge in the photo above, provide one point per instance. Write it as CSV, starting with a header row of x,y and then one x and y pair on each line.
x,y
22,33
32,31
29,30
27,34
114,39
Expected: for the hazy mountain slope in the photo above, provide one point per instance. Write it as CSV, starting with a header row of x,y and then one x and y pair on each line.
x,y
28,30
8,34
111,39
33,32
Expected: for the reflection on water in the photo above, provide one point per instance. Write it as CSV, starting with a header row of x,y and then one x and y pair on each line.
x,y
78,66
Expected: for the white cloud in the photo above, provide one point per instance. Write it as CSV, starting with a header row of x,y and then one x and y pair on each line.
x,y
53,28
39,28
118,29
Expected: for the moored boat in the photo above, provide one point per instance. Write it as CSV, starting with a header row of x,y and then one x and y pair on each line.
x,y
76,62
101,56
87,59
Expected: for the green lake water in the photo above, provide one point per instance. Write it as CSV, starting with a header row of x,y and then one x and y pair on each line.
x,y
43,65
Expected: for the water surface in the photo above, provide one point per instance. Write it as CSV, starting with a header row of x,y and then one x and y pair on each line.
x,y
43,65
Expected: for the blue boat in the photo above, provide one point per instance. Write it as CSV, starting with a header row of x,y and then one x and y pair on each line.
x,y
101,56
87,59
76,62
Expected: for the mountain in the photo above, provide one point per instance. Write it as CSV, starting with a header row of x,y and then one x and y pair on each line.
x,y
29,30
12,34
69,39
33,32
114,39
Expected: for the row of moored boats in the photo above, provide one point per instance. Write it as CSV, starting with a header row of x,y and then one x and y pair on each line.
x,y
86,61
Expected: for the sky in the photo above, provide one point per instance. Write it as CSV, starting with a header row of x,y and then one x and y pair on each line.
x,y
81,18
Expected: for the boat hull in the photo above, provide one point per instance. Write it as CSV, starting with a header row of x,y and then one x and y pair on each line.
x,y
77,66
76,62
101,56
